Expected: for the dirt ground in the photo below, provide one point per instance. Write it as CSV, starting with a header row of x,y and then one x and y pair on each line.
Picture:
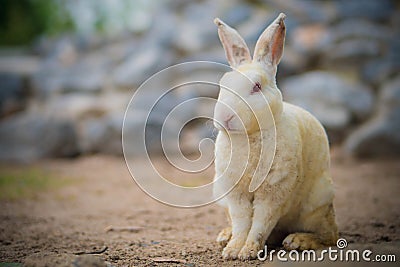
x,y
76,218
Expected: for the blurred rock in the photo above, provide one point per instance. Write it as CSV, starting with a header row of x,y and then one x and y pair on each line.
x,y
359,28
371,9
351,52
377,70
251,29
196,30
237,14
71,80
19,63
141,65
62,51
164,28
76,106
380,136
31,136
83,79
13,95
310,39
93,136
293,63
304,11
334,101
104,134
53,80
194,36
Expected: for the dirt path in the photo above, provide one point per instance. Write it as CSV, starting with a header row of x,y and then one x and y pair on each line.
x,y
74,218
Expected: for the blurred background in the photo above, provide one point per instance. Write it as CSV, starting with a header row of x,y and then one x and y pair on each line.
x,y
69,68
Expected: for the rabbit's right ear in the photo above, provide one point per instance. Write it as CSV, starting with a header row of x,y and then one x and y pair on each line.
x,y
269,47
235,47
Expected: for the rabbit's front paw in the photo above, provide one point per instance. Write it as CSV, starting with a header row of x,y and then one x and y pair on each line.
x,y
224,236
249,251
302,241
232,250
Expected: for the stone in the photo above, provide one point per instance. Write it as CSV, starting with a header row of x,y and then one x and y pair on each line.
x,y
22,65
30,136
379,10
141,65
196,30
13,94
237,14
109,141
55,79
310,39
333,100
352,51
379,136
378,70
304,11
359,28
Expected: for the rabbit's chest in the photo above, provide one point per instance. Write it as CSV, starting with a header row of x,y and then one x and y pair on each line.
x,y
240,154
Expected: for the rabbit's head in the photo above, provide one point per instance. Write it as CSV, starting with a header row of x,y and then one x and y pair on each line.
x,y
248,94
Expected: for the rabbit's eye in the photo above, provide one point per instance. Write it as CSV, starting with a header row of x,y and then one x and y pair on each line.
x,y
256,88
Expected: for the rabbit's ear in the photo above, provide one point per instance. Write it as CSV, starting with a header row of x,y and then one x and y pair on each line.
x,y
269,47
235,47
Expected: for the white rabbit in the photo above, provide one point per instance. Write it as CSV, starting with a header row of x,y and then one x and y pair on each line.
x,y
295,200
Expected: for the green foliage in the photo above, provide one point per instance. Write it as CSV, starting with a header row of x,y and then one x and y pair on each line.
x,y
26,183
23,20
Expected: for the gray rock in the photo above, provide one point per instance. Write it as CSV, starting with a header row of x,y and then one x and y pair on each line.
x,y
141,65
104,134
334,101
84,80
18,63
93,137
196,30
55,79
108,134
237,14
380,136
77,106
163,29
304,11
352,51
378,70
371,9
62,51
311,39
30,136
293,62
13,94
359,28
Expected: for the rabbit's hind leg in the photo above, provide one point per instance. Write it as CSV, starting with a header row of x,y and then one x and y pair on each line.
x,y
320,230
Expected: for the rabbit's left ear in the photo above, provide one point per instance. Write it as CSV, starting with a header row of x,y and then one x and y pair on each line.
x,y
269,47
235,47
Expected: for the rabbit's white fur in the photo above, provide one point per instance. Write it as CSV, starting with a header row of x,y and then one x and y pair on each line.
x,y
296,196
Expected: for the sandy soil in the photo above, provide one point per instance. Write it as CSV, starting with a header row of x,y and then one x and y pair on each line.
x,y
75,218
